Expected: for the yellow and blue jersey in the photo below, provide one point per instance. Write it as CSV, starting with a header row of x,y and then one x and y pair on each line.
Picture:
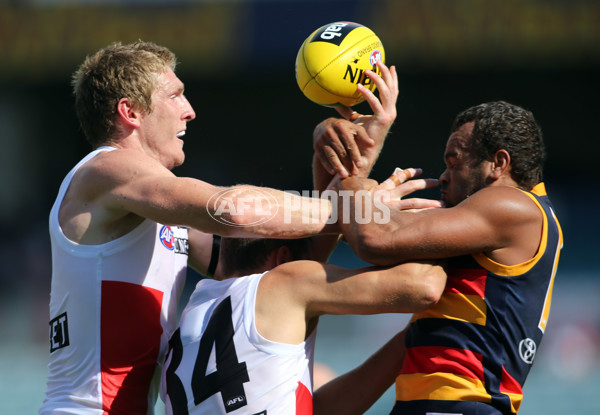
x,y
473,350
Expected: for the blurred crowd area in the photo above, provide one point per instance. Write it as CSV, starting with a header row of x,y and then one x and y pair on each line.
x,y
254,126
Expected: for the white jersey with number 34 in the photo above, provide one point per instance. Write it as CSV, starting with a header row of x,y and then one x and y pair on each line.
x,y
218,363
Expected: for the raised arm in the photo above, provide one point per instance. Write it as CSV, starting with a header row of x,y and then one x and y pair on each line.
x,y
351,145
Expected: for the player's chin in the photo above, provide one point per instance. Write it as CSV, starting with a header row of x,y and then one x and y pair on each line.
x,y
181,159
180,152
178,158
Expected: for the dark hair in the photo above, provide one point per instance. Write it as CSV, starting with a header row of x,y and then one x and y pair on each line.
x,y
247,255
500,125
114,72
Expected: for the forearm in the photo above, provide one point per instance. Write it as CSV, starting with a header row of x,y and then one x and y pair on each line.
x,y
321,177
322,245
362,386
393,235
237,211
273,213
251,211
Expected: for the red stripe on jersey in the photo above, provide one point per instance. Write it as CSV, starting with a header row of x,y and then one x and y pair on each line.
x,y
508,384
467,281
433,359
130,343
304,402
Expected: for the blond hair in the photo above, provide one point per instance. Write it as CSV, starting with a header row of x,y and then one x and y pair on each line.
x,y
115,72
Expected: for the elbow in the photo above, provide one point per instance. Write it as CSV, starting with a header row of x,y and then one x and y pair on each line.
x,y
432,288
428,298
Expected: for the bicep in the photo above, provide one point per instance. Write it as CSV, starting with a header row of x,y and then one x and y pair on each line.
x,y
440,233
165,198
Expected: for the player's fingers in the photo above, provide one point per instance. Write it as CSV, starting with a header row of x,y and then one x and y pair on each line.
x,y
383,79
398,177
415,204
331,162
391,182
387,84
412,186
394,74
362,137
393,89
371,99
399,192
389,76
348,138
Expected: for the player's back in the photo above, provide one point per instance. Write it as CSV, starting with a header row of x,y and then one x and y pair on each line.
x,y
218,362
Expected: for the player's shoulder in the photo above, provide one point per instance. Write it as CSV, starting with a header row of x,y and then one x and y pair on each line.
x,y
124,158
294,273
298,268
505,201
118,165
509,194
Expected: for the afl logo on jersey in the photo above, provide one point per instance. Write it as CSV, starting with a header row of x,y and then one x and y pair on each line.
x,y
167,237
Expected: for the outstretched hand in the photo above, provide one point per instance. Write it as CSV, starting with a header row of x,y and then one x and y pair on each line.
x,y
351,145
393,189
378,125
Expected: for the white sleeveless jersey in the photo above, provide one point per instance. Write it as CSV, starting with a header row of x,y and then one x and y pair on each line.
x,y
219,364
113,308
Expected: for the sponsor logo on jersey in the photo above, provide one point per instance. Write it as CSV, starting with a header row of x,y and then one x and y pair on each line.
x,y
172,242
334,33
167,237
527,348
59,332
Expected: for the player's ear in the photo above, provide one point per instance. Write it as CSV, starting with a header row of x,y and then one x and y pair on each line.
x,y
500,163
127,113
283,255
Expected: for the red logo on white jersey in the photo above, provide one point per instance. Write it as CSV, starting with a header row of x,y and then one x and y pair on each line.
x,y
167,237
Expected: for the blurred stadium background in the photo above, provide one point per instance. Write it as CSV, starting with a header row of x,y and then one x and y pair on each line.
x,y
254,126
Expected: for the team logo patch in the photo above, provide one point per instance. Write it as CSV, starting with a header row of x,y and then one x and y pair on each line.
x,y
59,332
527,348
167,237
